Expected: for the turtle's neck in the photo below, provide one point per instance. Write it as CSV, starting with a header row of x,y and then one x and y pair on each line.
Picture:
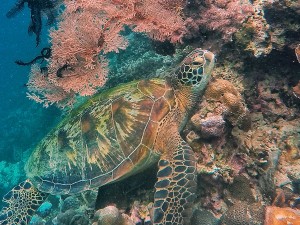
x,y
187,95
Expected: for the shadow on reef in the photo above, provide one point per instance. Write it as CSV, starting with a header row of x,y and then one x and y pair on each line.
x,y
276,72
125,192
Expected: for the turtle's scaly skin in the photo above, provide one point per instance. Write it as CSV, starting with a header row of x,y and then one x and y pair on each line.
x,y
125,130
16,199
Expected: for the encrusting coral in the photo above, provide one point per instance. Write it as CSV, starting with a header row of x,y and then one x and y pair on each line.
x,y
222,98
282,216
108,215
241,213
139,214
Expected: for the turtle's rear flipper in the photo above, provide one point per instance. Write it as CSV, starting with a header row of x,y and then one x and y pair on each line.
x,y
20,204
176,187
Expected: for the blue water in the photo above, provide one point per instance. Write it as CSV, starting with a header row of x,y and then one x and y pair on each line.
x,y
22,122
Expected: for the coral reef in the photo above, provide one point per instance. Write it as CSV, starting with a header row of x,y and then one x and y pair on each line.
x,y
241,213
139,214
202,216
87,31
282,216
224,99
245,133
74,217
224,16
45,209
71,202
255,33
211,126
296,90
272,26
108,215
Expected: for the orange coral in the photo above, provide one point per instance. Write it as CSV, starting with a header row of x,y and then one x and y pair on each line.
x,y
218,87
232,104
282,216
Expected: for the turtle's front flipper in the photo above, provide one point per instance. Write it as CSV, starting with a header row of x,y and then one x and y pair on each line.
x,y
176,187
21,202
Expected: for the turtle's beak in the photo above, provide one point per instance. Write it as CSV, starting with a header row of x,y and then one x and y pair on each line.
x,y
209,63
209,56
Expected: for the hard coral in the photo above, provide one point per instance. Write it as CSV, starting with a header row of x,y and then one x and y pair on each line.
x,y
111,215
72,217
212,126
140,213
107,216
242,213
255,34
271,26
230,101
282,216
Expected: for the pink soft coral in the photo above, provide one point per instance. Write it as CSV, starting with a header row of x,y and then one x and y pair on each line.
x,y
225,16
90,27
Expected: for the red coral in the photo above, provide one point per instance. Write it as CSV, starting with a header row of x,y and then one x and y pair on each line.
x,y
43,90
225,16
90,27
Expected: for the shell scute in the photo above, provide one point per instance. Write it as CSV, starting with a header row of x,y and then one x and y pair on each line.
x,y
152,88
160,110
130,119
108,137
149,136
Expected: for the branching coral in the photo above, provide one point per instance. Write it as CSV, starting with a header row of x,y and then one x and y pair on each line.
x,y
88,28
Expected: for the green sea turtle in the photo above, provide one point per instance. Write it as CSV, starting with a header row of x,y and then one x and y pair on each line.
x,y
116,134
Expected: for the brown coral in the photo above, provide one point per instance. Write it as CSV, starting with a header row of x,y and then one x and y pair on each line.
x,y
231,102
108,215
242,213
218,87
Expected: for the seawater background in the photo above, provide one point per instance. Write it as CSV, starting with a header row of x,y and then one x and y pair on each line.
x,y
23,123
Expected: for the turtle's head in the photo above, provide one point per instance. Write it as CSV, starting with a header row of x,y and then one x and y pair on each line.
x,y
195,70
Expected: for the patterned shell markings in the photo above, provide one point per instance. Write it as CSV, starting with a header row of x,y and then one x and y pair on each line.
x,y
110,136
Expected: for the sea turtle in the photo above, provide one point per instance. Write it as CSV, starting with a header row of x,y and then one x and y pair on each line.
x,y
116,134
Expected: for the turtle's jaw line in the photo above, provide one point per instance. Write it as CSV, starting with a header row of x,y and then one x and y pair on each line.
x,y
210,61
209,56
